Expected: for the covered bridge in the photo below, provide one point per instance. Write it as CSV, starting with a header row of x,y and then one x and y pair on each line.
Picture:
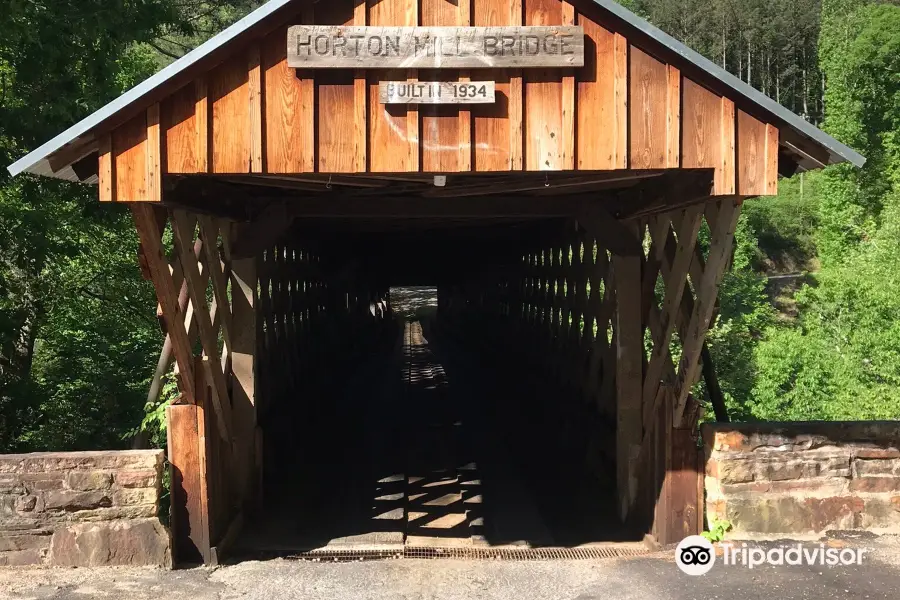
x,y
283,179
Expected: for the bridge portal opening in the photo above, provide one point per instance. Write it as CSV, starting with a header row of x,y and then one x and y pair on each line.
x,y
423,389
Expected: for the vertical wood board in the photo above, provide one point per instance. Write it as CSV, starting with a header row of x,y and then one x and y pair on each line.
x,y
393,129
673,122
498,128
725,175
190,525
155,155
649,83
229,92
702,129
751,155
106,170
179,121
602,118
129,144
341,100
629,363
443,136
543,88
255,83
772,135
289,114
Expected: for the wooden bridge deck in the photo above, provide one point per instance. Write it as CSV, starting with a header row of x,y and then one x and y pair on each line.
x,y
411,450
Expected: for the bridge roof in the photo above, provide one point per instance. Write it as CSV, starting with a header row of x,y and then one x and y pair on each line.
x,y
809,146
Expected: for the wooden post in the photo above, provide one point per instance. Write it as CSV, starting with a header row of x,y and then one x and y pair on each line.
x,y
190,521
678,481
629,375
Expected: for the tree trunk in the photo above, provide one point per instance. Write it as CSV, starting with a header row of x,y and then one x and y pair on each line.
x,y
712,385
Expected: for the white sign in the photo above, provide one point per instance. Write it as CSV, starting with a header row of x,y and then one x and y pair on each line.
x,y
436,92
354,47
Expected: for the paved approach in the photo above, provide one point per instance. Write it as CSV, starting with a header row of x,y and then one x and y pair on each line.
x,y
649,577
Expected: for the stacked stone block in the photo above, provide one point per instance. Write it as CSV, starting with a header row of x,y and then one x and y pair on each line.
x,y
804,478
82,509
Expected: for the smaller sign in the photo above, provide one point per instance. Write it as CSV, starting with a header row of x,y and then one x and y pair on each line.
x,y
436,92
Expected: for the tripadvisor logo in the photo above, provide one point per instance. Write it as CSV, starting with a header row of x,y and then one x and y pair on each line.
x,y
695,555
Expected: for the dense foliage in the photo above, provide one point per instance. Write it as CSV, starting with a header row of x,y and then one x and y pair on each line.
x,y
841,358
78,340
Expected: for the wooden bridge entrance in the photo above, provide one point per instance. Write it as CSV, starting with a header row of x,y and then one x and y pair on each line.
x,y
579,226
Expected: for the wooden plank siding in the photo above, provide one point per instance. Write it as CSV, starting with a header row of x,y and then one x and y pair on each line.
x,y
548,144
446,130
625,109
341,99
393,128
708,134
130,160
229,94
498,127
602,100
648,81
289,110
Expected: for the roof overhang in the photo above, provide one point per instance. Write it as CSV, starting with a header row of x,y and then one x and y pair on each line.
x,y
808,146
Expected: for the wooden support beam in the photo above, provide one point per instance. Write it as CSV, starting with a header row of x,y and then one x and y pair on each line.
x,y
72,153
619,238
165,356
672,471
263,233
669,192
675,287
209,234
151,240
274,219
729,210
183,229
629,336
553,184
243,367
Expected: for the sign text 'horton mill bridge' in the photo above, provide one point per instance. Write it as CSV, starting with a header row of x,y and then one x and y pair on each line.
x,y
302,170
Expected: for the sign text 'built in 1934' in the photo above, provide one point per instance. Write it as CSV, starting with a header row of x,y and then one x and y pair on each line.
x,y
436,92
317,47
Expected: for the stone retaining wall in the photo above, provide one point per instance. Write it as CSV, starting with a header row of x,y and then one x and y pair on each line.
x,y
801,478
82,509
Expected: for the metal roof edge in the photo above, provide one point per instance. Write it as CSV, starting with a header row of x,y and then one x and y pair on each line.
x,y
134,94
790,118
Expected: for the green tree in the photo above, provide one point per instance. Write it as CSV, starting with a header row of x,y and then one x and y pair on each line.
x,y
842,360
76,346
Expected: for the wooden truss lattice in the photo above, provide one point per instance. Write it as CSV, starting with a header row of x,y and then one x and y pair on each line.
x,y
207,310
307,315
244,333
626,329
199,259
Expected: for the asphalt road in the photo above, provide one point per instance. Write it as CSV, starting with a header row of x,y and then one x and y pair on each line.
x,y
650,577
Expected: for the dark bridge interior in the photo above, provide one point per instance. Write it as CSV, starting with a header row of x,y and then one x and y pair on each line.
x,y
436,387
